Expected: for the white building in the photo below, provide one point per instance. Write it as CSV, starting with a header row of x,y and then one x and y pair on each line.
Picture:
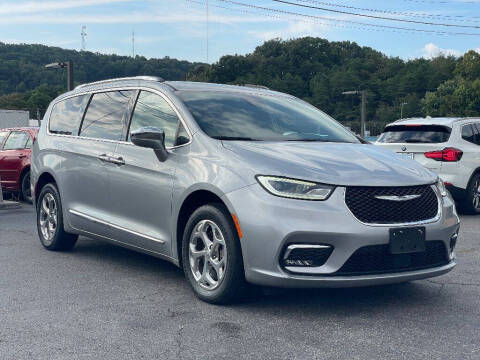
x,y
14,118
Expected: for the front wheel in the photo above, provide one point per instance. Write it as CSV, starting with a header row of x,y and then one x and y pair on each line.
x,y
471,203
50,221
211,255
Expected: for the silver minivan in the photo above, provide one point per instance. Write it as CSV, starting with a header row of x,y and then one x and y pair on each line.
x,y
237,185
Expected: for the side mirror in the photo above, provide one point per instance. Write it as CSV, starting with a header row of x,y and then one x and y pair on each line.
x,y
151,137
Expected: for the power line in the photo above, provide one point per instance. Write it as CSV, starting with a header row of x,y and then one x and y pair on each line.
x,y
376,16
395,12
443,2
438,32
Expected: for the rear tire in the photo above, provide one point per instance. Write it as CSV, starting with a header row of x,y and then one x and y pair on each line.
x,y
50,221
471,203
212,257
25,188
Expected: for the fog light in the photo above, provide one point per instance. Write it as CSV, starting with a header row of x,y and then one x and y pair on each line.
x,y
306,255
453,243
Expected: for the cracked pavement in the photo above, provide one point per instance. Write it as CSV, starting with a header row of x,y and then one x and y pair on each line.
x,y
104,302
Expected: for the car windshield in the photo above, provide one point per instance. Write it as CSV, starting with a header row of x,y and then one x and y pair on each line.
x,y
255,117
427,134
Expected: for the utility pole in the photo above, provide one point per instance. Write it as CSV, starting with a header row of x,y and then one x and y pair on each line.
x,y
207,31
401,109
64,65
84,35
38,116
363,108
133,43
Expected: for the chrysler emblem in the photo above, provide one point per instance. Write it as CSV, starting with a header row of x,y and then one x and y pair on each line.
x,y
397,197
404,148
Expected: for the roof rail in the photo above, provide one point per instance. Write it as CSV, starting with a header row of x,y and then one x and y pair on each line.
x,y
147,78
255,86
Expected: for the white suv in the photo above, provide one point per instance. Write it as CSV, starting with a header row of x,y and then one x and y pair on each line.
x,y
448,146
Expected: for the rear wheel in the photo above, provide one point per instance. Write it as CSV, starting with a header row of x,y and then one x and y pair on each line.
x,y
50,221
471,203
211,255
26,190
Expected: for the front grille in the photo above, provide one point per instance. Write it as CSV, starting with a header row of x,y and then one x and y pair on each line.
x,y
376,259
367,208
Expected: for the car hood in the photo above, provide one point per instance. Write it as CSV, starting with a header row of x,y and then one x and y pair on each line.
x,y
330,163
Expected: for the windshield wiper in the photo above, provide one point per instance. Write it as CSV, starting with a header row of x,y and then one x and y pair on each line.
x,y
413,141
234,138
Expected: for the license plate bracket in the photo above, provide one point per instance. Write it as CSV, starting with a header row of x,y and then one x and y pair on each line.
x,y
407,240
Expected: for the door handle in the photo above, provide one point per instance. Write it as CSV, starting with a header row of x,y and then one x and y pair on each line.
x,y
117,160
104,158
21,156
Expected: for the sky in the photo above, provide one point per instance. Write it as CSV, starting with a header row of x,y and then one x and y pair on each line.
x,y
178,28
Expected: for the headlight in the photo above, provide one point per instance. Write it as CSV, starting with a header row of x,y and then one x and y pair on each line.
x,y
441,187
295,189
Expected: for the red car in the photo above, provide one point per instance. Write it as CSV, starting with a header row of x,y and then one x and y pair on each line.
x,y
15,151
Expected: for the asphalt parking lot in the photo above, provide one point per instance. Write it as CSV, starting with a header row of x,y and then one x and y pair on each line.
x,y
104,302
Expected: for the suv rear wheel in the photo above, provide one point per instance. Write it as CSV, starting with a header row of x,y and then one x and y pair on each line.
x,y
211,255
471,203
50,221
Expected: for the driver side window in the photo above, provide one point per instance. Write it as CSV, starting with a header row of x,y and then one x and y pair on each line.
x,y
152,110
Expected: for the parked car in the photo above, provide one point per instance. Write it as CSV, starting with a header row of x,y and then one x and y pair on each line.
x,y
448,146
15,151
235,184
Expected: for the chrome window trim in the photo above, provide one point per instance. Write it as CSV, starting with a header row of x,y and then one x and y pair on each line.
x,y
414,223
120,88
292,247
94,219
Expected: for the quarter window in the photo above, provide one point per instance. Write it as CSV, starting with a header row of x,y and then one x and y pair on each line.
x,y
476,135
467,133
106,115
152,110
16,140
67,115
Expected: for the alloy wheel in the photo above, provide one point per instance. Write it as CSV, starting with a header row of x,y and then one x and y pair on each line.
x,y
48,217
476,194
207,254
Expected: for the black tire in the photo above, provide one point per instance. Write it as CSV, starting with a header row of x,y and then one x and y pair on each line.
x,y
25,188
60,240
471,203
233,285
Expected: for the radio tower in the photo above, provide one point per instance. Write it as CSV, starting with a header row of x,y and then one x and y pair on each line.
x,y
84,35
133,43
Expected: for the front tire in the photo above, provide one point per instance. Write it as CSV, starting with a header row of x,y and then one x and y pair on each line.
x,y
50,221
211,255
471,203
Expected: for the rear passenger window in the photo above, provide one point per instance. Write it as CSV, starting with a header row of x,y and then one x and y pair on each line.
x,y
467,133
67,115
29,143
106,115
152,110
16,140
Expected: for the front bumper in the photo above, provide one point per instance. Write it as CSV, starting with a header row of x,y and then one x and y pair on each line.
x,y
271,223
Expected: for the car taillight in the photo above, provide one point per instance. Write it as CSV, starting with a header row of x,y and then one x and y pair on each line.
x,y
447,154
